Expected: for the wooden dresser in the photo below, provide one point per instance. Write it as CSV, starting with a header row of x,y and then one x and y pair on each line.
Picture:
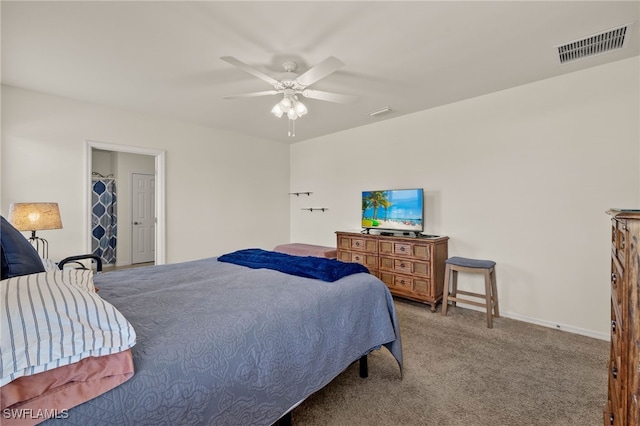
x,y
411,267
622,406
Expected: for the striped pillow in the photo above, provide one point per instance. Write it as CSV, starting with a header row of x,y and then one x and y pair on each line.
x,y
55,318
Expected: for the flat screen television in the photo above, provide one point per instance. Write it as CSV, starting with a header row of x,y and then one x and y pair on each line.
x,y
393,210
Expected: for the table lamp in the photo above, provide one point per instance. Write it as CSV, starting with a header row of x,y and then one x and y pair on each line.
x,y
36,217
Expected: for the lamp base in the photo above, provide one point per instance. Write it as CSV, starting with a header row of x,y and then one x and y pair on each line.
x,y
39,243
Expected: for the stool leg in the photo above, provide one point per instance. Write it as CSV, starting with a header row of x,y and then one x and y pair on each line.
x,y
494,292
488,298
445,293
454,285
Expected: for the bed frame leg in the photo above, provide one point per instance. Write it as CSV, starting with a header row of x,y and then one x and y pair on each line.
x,y
364,367
285,420
364,373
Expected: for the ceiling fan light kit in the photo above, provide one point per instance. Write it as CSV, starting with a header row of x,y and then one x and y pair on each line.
x,y
293,84
289,105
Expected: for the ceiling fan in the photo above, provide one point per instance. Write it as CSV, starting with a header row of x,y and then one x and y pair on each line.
x,y
291,84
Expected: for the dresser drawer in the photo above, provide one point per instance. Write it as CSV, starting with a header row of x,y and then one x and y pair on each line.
x,y
617,325
357,243
619,239
406,285
632,385
615,381
404,266
364,245
635,410
370,261
405,249
608,416
396,283
613,416
618,293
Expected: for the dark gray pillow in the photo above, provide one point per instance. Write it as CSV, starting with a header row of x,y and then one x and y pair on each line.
x,y
17,255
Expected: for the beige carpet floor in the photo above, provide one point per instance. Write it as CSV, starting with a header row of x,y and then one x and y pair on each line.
x,y
458,372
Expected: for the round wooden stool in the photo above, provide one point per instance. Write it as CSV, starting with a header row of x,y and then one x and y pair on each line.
x,y
490,296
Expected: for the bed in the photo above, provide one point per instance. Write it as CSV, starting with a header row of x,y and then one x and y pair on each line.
x,y
225,344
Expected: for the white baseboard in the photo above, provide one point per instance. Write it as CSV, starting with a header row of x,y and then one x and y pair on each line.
x,y
561,327
548,324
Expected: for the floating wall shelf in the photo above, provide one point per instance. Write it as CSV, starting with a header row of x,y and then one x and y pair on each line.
x,y
297,194
311,209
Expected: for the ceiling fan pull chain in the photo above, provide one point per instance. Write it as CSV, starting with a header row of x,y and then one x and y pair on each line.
x,y
292,128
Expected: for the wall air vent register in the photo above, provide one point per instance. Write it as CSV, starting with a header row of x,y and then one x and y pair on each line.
x,y
594,45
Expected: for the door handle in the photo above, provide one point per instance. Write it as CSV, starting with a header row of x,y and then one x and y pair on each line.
x,y
136,223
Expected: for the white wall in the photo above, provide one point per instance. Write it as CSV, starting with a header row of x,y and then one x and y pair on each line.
x,y
223,191
522,176
102,162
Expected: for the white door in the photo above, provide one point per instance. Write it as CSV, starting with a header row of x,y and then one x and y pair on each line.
x,y
143,234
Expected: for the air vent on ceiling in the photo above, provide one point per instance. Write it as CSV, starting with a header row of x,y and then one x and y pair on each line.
x,y
594,45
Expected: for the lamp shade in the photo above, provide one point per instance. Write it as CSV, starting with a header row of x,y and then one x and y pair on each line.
x,y
35,216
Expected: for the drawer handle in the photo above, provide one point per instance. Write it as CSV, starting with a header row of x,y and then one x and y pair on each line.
x,y
401,248
357,244
613,326
614,277
402,282
614,372
402,265
357,257
611,419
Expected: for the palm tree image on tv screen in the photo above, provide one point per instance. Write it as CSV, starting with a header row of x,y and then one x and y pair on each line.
x,y
396,210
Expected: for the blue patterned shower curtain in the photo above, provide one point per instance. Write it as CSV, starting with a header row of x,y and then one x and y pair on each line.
x,y
103,220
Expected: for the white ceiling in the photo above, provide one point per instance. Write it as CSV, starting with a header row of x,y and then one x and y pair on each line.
x,y
163,58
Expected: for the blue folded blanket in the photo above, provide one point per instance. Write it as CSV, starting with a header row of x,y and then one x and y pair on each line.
x,y
302,266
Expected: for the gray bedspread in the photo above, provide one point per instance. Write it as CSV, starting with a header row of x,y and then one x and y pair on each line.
x,y
223,344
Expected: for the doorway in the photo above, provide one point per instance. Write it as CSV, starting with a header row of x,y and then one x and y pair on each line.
x,y
126,160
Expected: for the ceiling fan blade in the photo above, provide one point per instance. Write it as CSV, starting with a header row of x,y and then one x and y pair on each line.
x,y
252,95
254,72
328,96
323,69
